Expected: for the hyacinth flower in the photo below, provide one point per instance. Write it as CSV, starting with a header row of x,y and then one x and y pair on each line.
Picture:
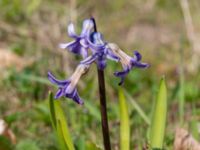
x,y
80,44
127,62
67,87
100,51
90,39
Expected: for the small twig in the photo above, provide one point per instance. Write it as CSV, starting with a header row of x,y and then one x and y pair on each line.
x,y
190,31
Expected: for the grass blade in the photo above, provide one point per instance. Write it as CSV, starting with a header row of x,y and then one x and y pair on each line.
x,y
124,122
52,110
181,89
93,110
34,78
138,108
157,130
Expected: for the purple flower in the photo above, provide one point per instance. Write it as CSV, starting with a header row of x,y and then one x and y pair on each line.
x,y
67,88
99,50
80,44
127,62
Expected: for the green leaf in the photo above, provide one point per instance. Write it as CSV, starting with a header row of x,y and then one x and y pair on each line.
x,y
62,144
52,110
92,146
59,122
157,129
80,143
124,122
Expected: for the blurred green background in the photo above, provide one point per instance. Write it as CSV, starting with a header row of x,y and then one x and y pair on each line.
x,y
30,31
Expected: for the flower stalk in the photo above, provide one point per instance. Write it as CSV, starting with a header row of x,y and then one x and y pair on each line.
x,y
103,106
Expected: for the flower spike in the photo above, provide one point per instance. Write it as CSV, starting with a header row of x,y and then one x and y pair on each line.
x,y
90,39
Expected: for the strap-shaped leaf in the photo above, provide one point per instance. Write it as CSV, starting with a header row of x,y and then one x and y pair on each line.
x,y
157,129
59,132
124,122
59,122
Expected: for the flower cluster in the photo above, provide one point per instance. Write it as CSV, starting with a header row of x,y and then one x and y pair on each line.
x,y
89,39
